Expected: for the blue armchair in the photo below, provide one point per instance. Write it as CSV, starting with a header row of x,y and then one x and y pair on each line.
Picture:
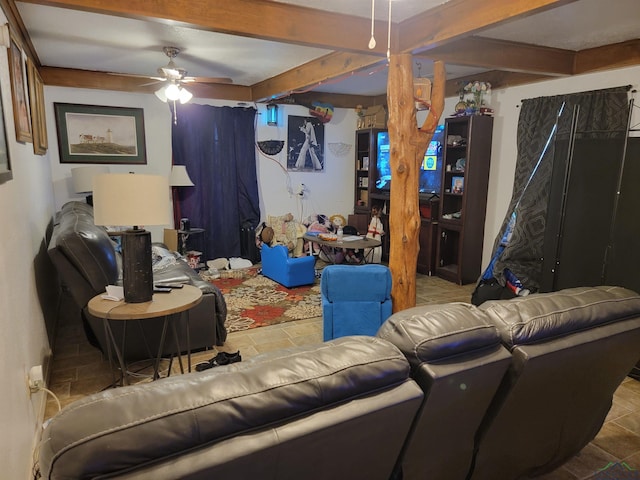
x,y
356,299
287,271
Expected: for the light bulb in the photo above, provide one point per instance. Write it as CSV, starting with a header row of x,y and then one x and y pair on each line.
x,y
172,92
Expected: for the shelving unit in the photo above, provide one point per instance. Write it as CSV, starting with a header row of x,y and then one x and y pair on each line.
x,y
465,180
365,164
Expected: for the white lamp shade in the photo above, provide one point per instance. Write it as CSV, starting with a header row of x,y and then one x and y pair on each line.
x,y
131,200
82,177
180,177
160,94
185,95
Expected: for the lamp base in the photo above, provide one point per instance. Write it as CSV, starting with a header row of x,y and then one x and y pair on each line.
x,y
137,272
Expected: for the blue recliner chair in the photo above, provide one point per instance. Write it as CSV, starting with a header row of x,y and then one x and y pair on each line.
x,y
356,299
287,271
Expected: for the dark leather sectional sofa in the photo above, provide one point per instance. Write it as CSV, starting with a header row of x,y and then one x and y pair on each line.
x,y
86,260
508,390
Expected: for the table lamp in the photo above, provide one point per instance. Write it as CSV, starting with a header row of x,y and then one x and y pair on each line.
x,y
179,177
82,179
133,200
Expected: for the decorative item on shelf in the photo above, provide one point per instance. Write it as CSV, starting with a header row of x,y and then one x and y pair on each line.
x,y
131,200
421,91
360,111
374,117
457,185
477,90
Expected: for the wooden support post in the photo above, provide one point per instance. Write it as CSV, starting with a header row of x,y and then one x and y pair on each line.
x,y
408,144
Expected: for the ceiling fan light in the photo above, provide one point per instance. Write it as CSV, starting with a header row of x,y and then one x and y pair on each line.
x,y
172,92
161,95
185,95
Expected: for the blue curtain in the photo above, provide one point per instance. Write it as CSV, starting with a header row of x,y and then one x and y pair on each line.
x,y
217,146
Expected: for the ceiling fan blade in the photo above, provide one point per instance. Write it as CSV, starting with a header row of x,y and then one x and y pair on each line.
x,y
155,81
208,79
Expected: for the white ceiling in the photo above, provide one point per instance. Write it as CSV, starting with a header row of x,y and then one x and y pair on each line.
x,y
81,40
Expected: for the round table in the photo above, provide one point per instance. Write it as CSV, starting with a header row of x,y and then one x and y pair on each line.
x,y
166,305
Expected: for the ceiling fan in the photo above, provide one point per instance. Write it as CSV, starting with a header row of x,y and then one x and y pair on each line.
x,y
175,74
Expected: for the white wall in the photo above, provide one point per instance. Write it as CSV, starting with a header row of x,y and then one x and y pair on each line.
x,y
328,192
26,208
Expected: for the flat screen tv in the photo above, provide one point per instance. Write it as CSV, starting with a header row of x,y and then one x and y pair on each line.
x,y
430,168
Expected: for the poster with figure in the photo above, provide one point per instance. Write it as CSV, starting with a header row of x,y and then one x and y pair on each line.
x,y
305,144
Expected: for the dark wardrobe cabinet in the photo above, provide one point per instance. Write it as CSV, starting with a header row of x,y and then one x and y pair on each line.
x,y
592,233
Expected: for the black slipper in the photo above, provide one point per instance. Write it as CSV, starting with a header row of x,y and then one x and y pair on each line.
x,y
222,358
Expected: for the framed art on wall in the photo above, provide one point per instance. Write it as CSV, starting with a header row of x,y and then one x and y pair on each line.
x,y
98,134
36,102
18,76
305,141
5,161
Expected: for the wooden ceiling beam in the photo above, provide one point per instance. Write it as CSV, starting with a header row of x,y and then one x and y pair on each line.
x,y
497,79
329,68
617,55
460,18
68,77
503,55
274,21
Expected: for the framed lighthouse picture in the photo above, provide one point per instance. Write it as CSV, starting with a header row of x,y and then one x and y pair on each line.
x,y
97,134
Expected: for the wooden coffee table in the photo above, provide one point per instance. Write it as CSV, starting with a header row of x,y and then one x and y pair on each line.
x,y
167,305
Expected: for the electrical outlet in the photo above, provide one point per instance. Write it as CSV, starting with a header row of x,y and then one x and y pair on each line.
x,y
36,379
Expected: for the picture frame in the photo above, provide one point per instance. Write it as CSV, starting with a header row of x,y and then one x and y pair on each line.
x,y
305,144
36,103
457,185
5,160
100,134
18,78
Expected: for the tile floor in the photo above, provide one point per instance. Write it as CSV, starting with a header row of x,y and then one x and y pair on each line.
x,y
78,369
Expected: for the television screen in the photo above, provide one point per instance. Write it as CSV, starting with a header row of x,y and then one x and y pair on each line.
x,y
430,168
383,170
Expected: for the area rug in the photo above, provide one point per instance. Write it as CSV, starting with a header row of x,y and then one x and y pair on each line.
x,y
254,300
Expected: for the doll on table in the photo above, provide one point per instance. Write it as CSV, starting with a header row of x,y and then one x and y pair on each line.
x,y
375,231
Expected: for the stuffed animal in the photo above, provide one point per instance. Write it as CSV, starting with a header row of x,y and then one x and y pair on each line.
x,y
286,232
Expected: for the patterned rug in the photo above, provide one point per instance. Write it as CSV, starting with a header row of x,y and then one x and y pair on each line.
x,y
256,301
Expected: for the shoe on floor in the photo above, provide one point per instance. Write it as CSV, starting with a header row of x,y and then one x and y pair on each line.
x,y
222,358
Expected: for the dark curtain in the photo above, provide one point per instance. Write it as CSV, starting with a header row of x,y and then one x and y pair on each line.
x,y
217,145
601,114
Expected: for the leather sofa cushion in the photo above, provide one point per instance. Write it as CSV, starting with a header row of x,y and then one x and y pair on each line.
x,y
137,424
82,242
434,332
539,317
